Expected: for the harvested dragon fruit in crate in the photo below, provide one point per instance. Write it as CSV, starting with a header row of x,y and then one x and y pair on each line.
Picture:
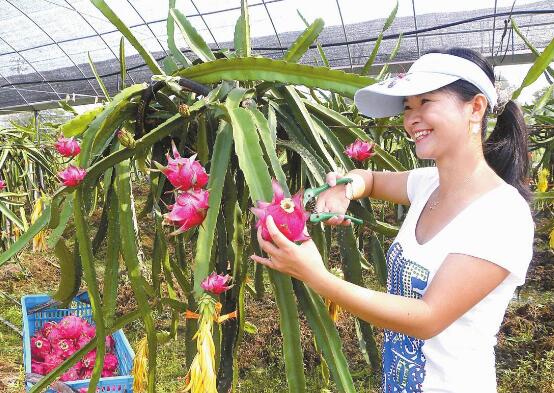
x,y
51,335
55,342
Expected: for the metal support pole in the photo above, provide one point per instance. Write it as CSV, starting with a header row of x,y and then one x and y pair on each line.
x,y
39,169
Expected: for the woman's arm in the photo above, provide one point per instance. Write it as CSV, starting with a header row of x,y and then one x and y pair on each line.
x,y
460,283
388,186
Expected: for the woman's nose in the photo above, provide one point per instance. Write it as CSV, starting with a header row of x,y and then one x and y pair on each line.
x,y
411,117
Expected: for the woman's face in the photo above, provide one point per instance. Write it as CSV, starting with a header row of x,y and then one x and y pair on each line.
x,y
437,122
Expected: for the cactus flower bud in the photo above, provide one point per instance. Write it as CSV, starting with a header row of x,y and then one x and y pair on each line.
x,y
126,138
184,110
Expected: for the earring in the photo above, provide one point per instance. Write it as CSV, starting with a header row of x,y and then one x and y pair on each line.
x,y
472,129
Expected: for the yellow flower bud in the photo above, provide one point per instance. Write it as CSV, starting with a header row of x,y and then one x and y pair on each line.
x,y
126,138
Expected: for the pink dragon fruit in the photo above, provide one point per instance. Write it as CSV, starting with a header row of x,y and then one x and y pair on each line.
x,y
86,373
63,348
184,173
89,359
360,150
40,347
67,147
37,367
82,341
107,373
2,185
47,328
88,330
55,334
71,326
215,283
73,374
110,362
189,210
288,214
51,361
72,176
110,343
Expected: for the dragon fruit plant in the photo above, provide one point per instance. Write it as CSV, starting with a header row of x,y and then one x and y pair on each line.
x,y
239,120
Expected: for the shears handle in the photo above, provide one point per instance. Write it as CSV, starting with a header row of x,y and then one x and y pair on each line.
x,y
319,217
311,193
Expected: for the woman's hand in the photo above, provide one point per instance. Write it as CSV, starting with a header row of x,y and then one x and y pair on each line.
x,y
302,262
333,200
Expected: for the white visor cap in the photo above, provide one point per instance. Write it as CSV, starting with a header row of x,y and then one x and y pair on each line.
x,y
430,72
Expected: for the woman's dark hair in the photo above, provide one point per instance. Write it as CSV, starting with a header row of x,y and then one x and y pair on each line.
x,y
505,149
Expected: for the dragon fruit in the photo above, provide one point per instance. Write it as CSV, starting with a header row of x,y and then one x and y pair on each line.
x,y
72,374
37,367
51,361
189,210
89,359
107,373
71,326
55,334
82,341
88,329
72,176
288,214
67,147
360,150
110,343
2,185
63,348
86,373
40,347
215,283
110,362
184,173
47,328
65,338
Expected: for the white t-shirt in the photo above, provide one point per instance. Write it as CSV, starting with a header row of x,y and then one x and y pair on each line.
x,y
497,227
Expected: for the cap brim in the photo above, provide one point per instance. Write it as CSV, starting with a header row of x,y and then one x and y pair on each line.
x,y
385,98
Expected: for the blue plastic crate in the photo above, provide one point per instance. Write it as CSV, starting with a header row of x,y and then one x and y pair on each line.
x,y
32,322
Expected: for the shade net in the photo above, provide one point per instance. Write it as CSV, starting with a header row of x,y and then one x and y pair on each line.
x,y
45,44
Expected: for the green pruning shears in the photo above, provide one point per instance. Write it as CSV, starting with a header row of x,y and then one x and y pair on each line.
x,y
309,202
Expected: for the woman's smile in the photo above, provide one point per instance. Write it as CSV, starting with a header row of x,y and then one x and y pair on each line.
x,y
421,134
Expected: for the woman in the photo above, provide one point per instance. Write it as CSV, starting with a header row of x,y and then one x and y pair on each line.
x,y
466,242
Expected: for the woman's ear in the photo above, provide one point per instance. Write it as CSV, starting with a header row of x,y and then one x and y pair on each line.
x,y
478,107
